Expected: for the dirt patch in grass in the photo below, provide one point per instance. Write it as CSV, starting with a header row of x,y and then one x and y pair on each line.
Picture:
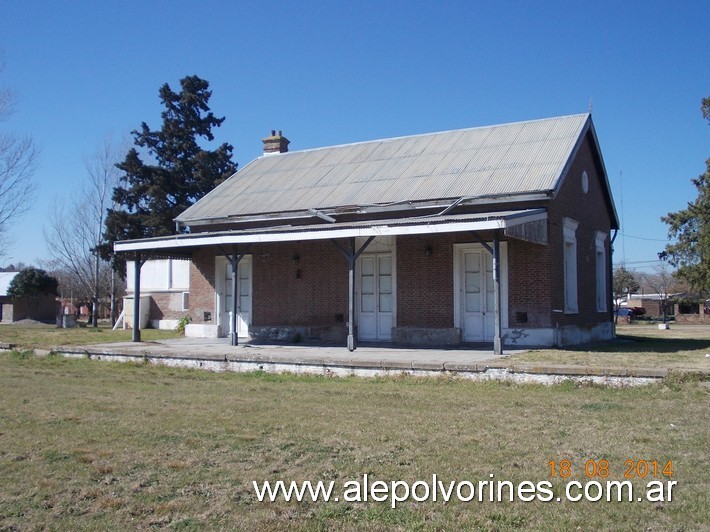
x,y
94,445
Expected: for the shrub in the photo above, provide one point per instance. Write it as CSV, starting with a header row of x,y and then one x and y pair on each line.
x,y
182,323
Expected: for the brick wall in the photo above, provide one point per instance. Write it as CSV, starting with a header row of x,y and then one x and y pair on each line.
x,y
202,286
45,308
530,284
312,290
591,212
431,303
166,305
425,284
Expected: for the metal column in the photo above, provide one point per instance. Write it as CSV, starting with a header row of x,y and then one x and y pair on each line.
x,y
497,322
351,255
136,336
351,295
497,341
233,260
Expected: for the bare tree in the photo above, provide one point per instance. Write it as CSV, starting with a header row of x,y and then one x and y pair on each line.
x,y
663,283
75,231
17,164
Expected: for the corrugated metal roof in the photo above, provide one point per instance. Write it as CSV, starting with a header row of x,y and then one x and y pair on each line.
x,y
517,158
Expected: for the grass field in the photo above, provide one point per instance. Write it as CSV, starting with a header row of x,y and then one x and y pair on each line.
x,y
683,347
48,336
96,445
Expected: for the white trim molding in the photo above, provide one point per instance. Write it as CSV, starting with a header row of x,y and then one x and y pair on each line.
x,y
569,258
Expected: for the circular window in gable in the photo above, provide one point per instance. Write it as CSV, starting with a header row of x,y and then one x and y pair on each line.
x,y
585,182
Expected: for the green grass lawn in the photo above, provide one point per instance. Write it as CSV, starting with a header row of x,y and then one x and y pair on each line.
x,y
96,445
49,336
641,345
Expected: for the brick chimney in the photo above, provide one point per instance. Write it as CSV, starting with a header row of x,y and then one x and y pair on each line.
x,y
275,143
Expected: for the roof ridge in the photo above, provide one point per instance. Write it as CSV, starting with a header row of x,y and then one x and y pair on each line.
x,y
418,135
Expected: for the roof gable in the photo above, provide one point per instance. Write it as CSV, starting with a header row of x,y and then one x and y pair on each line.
x,y
504,160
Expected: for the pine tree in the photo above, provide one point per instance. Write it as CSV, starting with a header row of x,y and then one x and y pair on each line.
x,y
151,194
690,230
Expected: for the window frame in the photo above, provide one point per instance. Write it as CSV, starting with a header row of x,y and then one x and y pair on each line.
x,y
601,271
569,265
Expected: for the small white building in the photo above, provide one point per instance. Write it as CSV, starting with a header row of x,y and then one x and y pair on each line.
x,y
165,285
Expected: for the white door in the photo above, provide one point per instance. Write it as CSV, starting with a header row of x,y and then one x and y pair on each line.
x,y
376,301
243,301
477,296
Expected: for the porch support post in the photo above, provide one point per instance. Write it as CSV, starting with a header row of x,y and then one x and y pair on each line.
x,y
351,295
234,336
497,323
234,258
351,255
136,333
497,339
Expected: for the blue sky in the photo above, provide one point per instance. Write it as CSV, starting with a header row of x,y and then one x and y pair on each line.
x,y
330,73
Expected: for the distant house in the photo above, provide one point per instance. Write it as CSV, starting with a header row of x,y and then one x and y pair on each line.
x,y
11,310
496,235
654,304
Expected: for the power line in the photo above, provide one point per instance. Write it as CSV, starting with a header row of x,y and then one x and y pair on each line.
x,y
639,262
644,238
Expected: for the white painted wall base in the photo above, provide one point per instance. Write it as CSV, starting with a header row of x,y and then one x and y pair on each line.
x,y
579,335
197,330
167,325
528,337
332,370
560,337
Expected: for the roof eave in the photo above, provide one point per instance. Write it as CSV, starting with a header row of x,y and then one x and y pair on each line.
x,y
427,225
405,205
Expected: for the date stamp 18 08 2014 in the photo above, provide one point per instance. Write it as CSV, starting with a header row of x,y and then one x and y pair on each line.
x,y
603,469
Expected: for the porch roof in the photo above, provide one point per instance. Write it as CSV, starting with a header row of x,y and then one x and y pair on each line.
x,y
512,222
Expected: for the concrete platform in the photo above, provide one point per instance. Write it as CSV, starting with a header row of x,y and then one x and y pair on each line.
x,y
366,356
365,361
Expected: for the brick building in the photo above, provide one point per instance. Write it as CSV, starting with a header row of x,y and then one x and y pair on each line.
x,y
497,234
42,308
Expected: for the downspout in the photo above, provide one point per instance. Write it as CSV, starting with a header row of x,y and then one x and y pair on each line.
x,y
610,291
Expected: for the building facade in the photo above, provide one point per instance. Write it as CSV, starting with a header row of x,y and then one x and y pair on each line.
x,y
497,235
